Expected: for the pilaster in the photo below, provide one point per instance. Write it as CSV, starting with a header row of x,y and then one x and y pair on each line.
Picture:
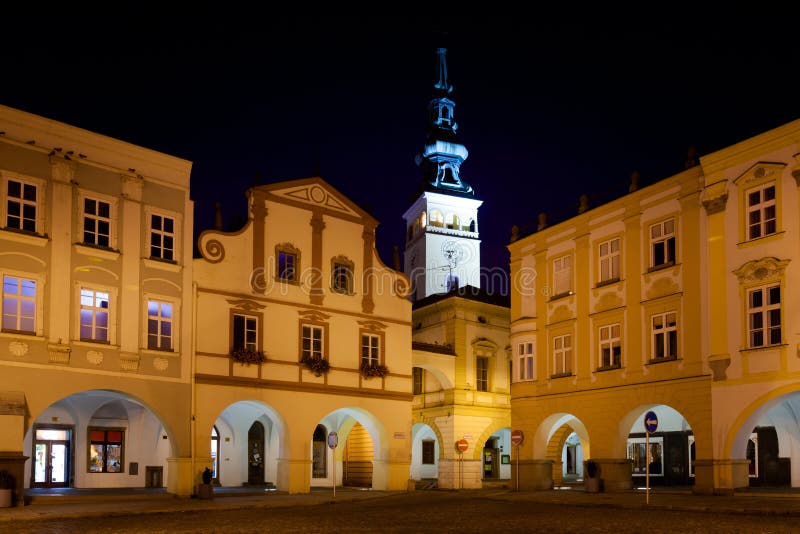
x,y
131,229
317,226
714,199
60,231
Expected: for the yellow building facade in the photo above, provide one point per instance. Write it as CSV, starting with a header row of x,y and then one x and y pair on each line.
x,y
669,301
322,332
96,340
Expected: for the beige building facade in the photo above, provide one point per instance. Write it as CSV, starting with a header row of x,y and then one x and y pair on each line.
x,y
672,302
302,291
95,259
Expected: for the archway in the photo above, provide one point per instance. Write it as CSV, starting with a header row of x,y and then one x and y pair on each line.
x,y
425,452
566,446
249,444
97,439
667,455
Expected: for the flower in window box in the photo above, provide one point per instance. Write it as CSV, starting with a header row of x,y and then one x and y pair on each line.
x,y
369,370
316,364
247,357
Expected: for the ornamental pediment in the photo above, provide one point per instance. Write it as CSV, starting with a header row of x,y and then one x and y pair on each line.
x,y
763,269
317,195
763,170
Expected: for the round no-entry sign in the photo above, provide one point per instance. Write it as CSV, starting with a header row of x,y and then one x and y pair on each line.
x,y
462,445
650,422
516,437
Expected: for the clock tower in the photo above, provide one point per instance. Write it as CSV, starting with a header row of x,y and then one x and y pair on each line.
x,y
442,246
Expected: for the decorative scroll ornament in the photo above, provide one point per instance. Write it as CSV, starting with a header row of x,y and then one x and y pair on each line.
x,y
763,269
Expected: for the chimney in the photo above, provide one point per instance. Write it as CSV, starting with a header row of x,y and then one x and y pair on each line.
x,y
218,215
396,258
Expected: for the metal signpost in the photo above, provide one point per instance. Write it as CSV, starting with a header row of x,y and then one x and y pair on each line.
x,y
461,446
516,439
333,441
650,426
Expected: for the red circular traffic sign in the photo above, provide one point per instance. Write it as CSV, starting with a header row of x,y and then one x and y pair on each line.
x,y
516,437
462,445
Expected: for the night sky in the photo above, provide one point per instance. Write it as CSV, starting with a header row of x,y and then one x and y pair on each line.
x,y
549,108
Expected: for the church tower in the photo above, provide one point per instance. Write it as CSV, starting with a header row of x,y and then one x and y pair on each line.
x,y
442,246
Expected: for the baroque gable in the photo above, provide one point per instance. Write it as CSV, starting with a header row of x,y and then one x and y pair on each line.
x,y
317,195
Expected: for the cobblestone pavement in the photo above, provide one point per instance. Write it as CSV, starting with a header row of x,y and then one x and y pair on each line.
x,y
496,511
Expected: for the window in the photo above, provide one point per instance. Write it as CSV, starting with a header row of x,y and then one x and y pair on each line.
x,y
94,315
106,450
428,451
417,374
761,219
342,276
96,222
644,461
312,342
482,373
19,304
610,346
562,276
764,316
437,219
287,263
453,222
370,349
525,353
609,260
245,332
665,335
662,243
21,205
562,355
159,325
162,237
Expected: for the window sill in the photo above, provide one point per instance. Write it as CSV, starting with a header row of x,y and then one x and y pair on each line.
x,y
94,344
763,348
761,240
656,361
342,292
661,267
164,265
21,236
561,375
96,251
608,282
608,368
561,296
160,352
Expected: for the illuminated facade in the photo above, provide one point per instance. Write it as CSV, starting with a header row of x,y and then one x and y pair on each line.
x,y
322,330
95,347
672,299
460,357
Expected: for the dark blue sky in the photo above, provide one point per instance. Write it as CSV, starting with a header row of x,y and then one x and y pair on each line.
x,y
549,108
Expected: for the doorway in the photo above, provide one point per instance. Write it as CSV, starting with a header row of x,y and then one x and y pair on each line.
x,y
490,455
255,454
51,452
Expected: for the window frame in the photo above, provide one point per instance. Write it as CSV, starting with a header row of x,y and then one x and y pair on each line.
x,y
417,380
428,452
90,442
38,204
613,258
564,354
177,222
610,341
289,250
112,311
338,263
112,218
372,336
324,344
664,238
36,300
760,207
764,311
664,331
174,322
526,368
560,277
246,314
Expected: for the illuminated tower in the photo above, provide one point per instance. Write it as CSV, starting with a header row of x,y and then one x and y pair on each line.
x,y
442,246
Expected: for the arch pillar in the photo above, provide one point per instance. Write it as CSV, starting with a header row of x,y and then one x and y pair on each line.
x,y
720,476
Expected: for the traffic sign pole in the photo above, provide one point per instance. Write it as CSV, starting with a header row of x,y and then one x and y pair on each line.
x,y
650,426
516,439
333,441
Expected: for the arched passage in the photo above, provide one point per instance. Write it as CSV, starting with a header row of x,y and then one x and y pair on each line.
x,y
98,439
426,450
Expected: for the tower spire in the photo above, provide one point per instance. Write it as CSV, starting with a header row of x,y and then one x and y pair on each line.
x,y
442,156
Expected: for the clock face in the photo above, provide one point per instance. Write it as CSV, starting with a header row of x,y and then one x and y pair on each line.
x,y
453,252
